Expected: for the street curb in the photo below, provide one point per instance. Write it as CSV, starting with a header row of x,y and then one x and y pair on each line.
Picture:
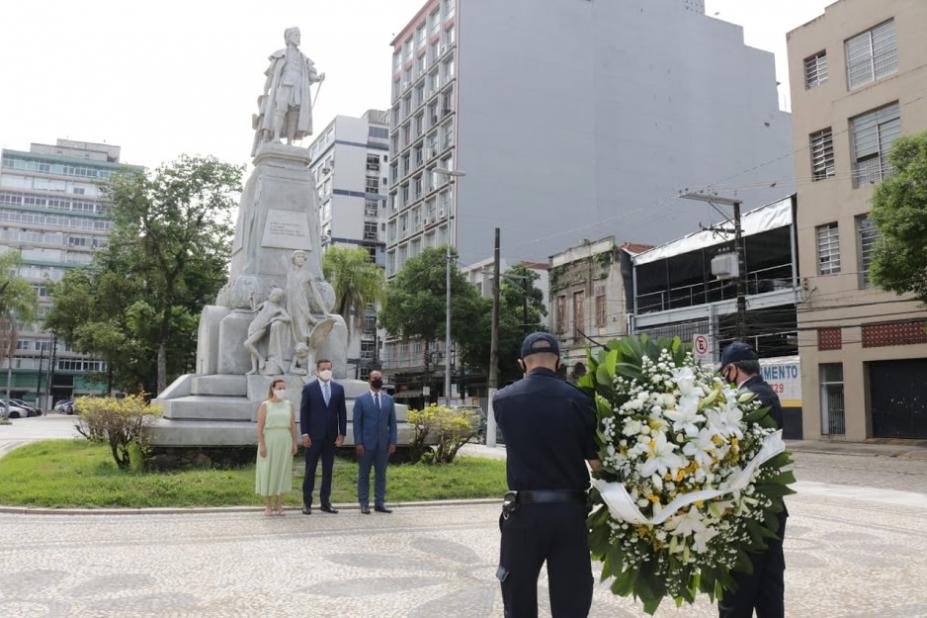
x,y
194,510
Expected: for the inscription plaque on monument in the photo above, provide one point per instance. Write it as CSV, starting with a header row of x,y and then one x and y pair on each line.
x,y
286,229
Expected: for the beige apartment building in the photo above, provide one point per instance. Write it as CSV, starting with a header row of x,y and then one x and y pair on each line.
x,y
859,80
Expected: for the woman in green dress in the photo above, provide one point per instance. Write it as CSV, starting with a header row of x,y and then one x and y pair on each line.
x,y
276,448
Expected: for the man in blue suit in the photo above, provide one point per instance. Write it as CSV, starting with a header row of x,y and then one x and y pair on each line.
x,y
323,419
375,441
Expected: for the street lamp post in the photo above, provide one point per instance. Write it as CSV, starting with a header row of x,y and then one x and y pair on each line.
x,y
452,175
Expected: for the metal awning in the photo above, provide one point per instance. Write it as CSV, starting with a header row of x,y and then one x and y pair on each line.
x,y
769,217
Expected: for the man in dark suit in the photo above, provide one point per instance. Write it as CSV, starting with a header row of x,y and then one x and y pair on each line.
x,y
323,419
375,441
764,589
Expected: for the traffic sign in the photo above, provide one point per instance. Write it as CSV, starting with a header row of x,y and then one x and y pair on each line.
x,y
701,347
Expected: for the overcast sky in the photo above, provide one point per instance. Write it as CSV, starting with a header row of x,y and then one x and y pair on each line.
x,y
170,77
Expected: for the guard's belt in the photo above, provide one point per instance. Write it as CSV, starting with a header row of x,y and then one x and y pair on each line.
x,y
549,496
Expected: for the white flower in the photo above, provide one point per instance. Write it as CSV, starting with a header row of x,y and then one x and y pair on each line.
x,y
660,457
701,448
685,417
684,378
687,523
701,538
632,427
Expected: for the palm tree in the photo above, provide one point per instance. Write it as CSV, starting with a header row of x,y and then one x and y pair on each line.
x,y
357,281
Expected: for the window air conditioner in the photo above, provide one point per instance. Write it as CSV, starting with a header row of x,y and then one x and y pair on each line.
x,y
725,266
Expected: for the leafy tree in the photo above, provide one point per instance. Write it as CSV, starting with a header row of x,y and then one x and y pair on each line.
x,y
17,303
357,281
415,300
899,209
172,231
89,312
17,296
137,304
521,311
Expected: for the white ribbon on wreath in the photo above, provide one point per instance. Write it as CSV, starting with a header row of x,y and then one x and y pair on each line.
x,y
622,507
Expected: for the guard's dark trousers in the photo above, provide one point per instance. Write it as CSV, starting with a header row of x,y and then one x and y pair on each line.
x,y
764,588
324,450
555,533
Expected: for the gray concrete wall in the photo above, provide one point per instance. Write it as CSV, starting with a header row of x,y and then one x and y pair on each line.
x,y
579,119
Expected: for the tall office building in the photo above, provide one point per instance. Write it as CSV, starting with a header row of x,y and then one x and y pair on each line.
x,y
573,120
857,75
349,159
52,213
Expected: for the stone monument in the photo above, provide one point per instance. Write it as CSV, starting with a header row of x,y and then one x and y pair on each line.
x,y
274,317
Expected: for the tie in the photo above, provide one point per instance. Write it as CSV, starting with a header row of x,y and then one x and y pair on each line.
x,y
325,392
376,398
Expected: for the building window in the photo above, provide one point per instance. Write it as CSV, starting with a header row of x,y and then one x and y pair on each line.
x,y
370,230
822,154
373,184
872,135
832,405
866,236
371,208
871,55
579,315
373,162
828,239
816,69
561,313
600,307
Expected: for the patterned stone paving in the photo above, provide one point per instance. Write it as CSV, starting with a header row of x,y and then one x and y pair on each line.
x,y
847,557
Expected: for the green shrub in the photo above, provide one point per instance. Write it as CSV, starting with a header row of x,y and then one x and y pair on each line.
x,y
120,423
446,428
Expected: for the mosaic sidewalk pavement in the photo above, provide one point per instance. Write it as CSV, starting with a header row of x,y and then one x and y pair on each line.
x,y
860,556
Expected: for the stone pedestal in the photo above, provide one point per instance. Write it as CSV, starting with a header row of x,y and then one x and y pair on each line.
x,y
207,339
278,214
233,358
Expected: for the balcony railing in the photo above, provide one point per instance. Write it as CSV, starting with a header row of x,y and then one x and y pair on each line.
x,y
758,282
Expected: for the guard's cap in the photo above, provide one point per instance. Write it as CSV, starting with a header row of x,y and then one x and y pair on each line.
x,y
540,342
736,352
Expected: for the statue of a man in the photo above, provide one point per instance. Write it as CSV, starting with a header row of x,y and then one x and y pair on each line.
x,y
285,108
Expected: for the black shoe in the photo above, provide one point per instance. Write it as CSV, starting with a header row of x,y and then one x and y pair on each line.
x,y
365,510
307,510
329,509
382,509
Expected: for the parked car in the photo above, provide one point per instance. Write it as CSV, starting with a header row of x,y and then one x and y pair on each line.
x,y
13,411
65,406
31,409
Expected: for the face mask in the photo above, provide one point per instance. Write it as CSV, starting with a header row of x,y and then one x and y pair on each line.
x,y
727,375
326,374
280,393
377,383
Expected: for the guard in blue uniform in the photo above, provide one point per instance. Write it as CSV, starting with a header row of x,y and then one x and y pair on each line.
x,y
764,589
549,431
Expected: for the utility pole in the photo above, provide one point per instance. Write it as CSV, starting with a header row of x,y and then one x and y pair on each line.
x,y
493,347
741,274
713,198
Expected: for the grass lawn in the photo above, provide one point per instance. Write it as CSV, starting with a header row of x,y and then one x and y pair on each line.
x,y
76,473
